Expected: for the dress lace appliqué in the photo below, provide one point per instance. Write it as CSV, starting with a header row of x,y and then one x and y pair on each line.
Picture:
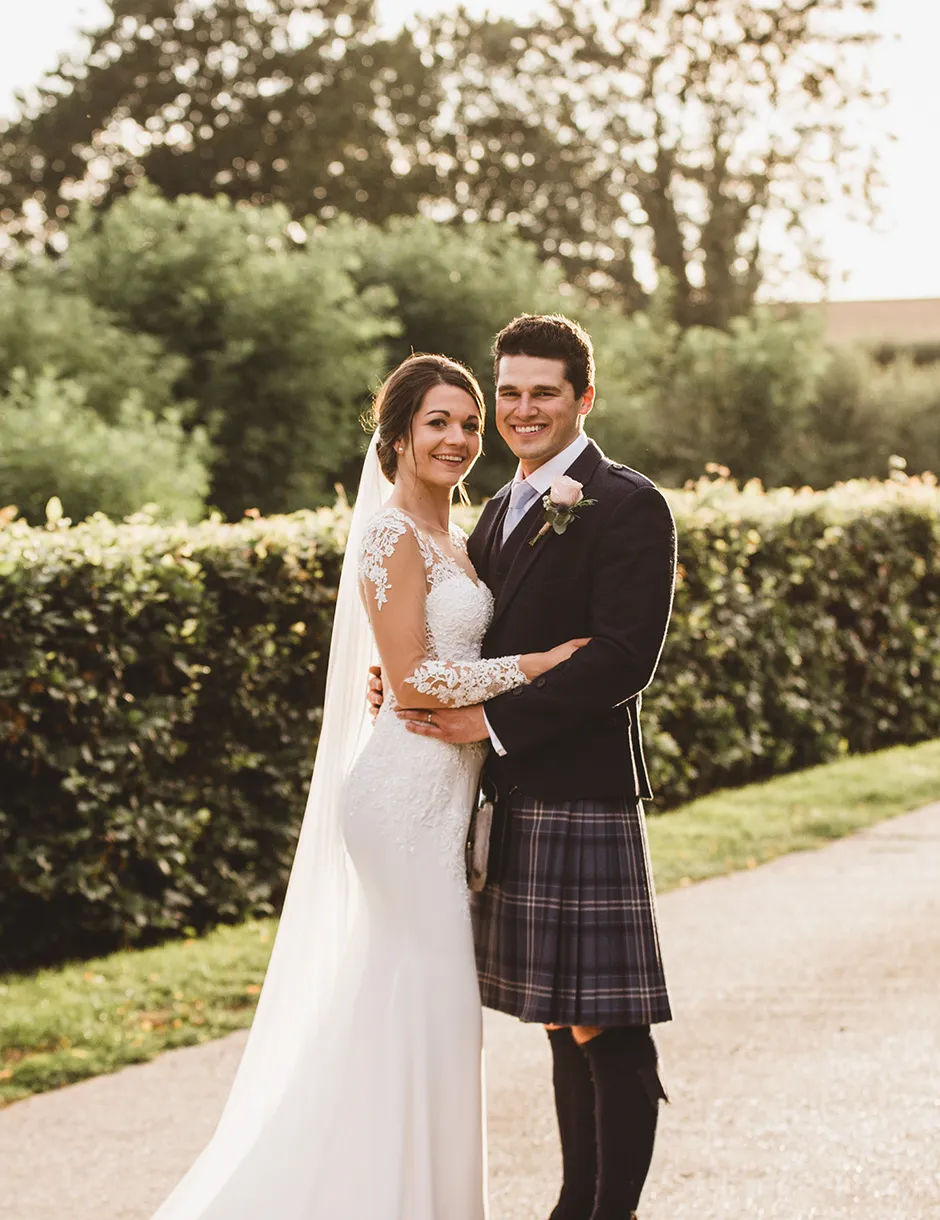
x,y
464,685
379,544
411,791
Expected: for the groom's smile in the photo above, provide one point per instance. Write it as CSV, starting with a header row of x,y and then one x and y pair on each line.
x,y
537,412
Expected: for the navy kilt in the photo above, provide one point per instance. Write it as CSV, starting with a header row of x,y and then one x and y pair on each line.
x,y
567,933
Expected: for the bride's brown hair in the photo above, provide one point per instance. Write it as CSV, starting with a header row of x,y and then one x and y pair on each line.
x,y
400,397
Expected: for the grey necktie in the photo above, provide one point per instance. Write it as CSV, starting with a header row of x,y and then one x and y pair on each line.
x,y
520,501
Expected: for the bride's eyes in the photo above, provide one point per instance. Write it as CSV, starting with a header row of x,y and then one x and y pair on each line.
x,y
471,425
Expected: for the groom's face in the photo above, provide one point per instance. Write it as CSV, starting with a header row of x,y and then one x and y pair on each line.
x,y
537,413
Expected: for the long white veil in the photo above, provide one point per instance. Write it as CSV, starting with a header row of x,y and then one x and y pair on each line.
x,y
313,937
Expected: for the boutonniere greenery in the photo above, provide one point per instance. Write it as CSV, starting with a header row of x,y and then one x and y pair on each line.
x,y
562,505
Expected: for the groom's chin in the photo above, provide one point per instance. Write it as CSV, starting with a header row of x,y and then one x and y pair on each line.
x,y
527,448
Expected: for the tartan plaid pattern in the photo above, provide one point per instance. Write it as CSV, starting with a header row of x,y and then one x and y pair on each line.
x,y
568,933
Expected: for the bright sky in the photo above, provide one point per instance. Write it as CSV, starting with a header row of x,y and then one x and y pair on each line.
x,y
899,258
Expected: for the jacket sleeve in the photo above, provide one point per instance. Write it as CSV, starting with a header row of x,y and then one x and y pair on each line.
x,y
631,600
475,542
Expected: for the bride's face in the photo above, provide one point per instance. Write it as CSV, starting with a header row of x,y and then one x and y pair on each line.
x,y
446,438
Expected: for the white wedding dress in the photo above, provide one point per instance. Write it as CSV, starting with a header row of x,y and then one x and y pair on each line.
x,y
359,1096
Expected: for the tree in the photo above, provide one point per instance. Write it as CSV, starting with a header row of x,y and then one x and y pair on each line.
x,y
279,345
45,329
620,136
625,136
454,288
52,443
865,414
262,100
740,397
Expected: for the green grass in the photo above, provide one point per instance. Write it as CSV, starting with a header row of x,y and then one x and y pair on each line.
x,y
63,1025
743,827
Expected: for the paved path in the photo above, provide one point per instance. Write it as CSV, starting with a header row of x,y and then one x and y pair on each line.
x,y
804,1065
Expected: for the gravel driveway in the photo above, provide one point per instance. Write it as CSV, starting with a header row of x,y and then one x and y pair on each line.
x,y
804,1064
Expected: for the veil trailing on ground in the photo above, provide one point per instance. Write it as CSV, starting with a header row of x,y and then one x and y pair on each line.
x,y
311,951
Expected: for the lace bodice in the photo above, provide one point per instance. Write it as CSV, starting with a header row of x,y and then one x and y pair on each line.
x,y
429,617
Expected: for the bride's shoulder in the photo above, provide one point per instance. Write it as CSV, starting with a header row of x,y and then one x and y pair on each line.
x,y
389,533
382,535
383,531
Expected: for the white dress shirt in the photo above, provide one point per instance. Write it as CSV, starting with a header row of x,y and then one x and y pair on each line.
x,y
541,480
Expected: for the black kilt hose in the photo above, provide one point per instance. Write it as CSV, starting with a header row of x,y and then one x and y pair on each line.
x,y
565,930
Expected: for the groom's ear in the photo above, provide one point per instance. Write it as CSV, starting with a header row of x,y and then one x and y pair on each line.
x,y
587,401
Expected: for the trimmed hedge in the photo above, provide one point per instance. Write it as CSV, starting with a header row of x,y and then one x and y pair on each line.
x,y
159,702
160,686
806,626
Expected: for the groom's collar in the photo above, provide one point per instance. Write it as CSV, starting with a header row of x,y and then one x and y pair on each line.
x,y
541,478
579,461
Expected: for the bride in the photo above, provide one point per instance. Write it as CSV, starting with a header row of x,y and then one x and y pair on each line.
x,y
359,1093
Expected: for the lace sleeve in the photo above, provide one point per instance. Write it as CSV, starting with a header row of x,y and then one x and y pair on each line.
x,y
466,683
381,539
393,569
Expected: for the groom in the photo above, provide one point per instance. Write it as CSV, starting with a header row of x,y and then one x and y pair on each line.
x,y
565,929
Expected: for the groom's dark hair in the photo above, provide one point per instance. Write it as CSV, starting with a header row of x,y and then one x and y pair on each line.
x,y
550,337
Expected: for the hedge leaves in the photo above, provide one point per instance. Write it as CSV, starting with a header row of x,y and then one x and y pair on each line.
x,y
160,686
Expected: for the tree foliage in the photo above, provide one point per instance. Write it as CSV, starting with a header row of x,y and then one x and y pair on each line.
x,y
54,446
767,398
279,346
866,416
46,328
621,136
740,398
272,336
267,102
626,135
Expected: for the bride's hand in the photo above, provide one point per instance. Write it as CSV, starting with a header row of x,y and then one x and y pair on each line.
x,y
533,664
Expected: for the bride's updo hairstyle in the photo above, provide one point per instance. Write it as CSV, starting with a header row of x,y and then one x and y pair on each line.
x,y
401,395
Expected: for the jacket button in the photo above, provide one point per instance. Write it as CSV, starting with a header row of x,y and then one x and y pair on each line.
x,y
540,681
517,690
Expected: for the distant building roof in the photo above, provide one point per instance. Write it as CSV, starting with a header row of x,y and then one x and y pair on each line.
x,y
904,321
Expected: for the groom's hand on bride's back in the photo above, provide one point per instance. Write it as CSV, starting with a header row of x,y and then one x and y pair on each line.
x,y
376,691
455,725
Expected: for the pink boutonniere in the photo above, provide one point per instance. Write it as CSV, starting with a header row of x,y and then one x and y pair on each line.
x,y
564,501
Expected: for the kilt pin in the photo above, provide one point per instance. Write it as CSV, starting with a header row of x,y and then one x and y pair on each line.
x,y
565,930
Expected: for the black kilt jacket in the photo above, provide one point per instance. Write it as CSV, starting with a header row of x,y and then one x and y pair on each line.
x,y
574,733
